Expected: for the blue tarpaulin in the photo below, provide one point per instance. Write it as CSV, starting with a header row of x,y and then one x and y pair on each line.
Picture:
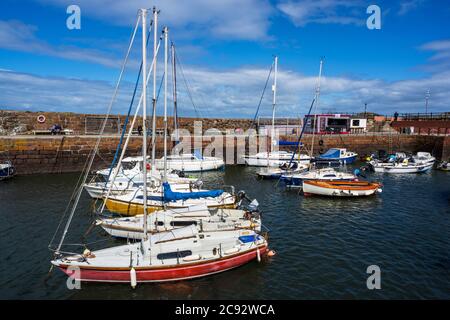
x,y
289,143
331,154
170,195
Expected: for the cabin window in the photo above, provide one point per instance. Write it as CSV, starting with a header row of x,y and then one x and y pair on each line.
x,y
159,223
329,176
174,255
183,223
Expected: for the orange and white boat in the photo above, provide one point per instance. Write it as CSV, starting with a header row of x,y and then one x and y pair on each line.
x,y
341,188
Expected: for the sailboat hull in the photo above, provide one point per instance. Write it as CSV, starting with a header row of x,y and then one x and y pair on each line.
x,y
132,209
166,273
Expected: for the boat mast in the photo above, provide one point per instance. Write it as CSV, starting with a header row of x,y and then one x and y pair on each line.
x,y
144,113
166,51
317,95
174,79
274,90
155,41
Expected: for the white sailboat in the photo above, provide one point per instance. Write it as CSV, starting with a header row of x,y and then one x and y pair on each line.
x,y
208,220
185,162
273,158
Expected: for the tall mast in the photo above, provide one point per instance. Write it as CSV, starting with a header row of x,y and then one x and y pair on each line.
x,y
144,113
274,90
166,51
317,95
155,41
174,79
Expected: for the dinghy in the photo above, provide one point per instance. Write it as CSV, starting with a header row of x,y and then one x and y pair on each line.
x,y
444,166
340,188
7,170
208,220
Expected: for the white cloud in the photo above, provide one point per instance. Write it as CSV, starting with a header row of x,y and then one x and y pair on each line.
x,y
18,36
408,6
235,19
440,59
303,12
232,93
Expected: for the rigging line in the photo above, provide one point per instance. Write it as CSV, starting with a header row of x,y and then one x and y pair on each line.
x,y
197,112
300,137
156,103
129,112
130,131
95,149
262,95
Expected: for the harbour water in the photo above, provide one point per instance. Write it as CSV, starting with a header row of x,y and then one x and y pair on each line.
x,y
323,246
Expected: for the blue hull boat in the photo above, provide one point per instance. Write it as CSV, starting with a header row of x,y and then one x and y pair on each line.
x,y
339,155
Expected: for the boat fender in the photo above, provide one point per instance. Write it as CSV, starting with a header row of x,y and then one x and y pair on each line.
x,y
133,280
271,253
148,166
88,254
258,255
41,118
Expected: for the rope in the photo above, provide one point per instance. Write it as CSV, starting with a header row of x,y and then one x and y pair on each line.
x,y
197,112
262,95
90,160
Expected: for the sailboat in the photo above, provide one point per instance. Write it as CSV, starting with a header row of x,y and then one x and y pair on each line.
x,y
185,162
273,158
207,219
178,254
130,177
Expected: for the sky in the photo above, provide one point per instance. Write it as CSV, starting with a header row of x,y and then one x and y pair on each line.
x,y
225,50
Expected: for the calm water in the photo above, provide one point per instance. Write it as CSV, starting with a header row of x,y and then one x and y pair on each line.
x,y
324,245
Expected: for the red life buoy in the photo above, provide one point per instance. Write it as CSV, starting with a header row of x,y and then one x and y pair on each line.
x,y
41,118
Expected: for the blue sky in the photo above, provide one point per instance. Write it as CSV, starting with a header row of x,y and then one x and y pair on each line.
x,y
226,49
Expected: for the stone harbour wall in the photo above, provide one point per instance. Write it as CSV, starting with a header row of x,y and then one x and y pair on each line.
x,y
57,154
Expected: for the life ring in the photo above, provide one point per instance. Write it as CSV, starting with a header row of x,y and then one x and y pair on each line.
x,y
41,118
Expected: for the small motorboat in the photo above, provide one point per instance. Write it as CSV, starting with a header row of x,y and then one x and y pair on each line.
x,y
424,158
341,188
7,170
401,167
443,166
339,155
325,174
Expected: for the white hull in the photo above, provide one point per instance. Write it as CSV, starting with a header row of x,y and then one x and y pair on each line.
x,y
275,159
207,220
403,168
189,163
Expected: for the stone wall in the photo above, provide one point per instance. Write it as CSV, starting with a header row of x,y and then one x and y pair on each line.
x,y
55,154
22,122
